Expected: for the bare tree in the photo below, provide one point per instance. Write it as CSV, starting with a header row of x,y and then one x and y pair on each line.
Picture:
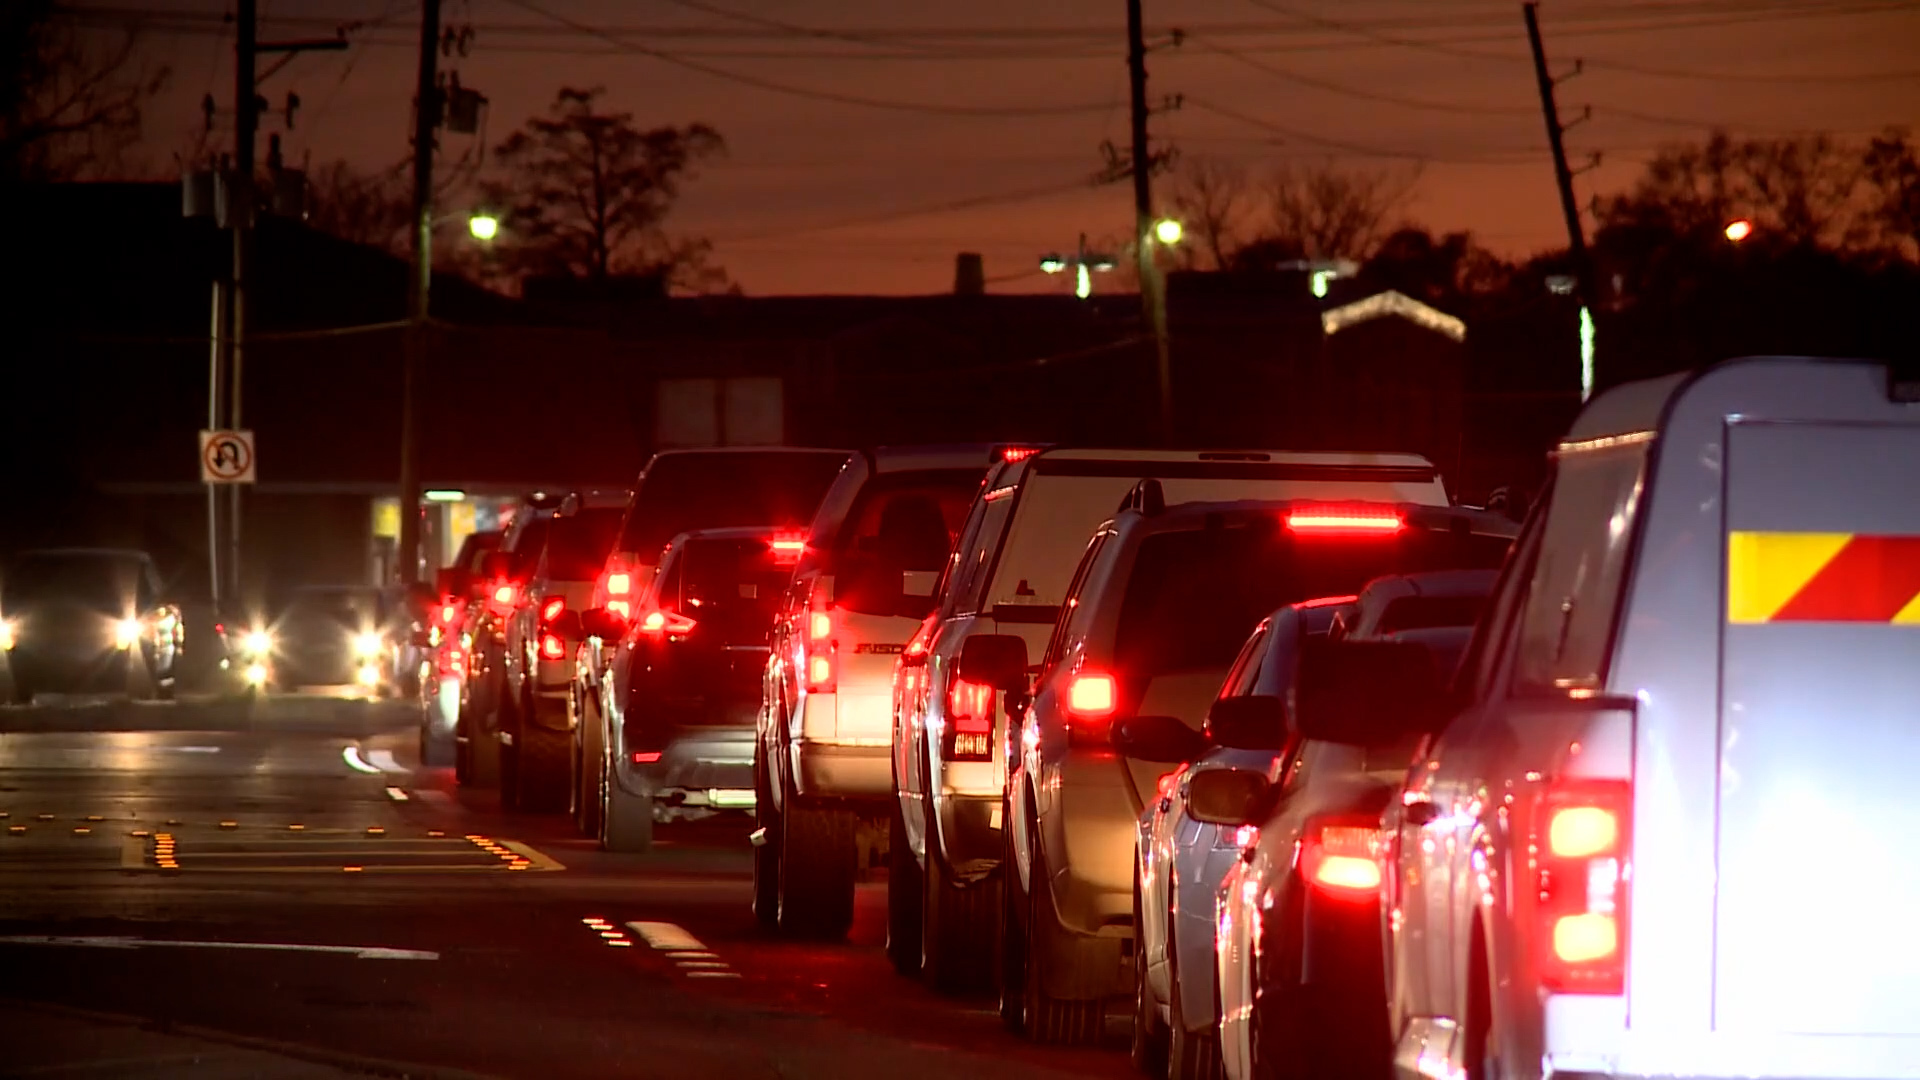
x,y
585,192
1212,200
70,98
1893,170
1331,212
375,209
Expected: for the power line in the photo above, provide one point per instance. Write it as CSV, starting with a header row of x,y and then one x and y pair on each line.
x,y
1357,149
1361,30
805,92
791,29
1457,108
1605,111
1002,198
1910,75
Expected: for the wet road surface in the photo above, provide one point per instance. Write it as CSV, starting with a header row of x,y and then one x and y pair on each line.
x,y
217,889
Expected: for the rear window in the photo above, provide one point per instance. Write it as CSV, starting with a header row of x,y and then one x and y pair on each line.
x,y
1193,596
683,492
577,546
1430,612
903,522
106,582
732,586
474,550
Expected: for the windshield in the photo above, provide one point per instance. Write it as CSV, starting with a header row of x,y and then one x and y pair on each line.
x,y
103,581
577,546
683,492
1193,596
903,522
353,607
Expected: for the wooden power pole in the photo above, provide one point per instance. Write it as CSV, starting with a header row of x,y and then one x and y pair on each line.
x,y
426,119
1153,297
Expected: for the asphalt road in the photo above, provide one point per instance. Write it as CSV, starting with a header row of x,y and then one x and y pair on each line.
x,y
220,890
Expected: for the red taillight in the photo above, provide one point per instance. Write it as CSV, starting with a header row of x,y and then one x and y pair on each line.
x,y
820,673
506,596
787,548
619,584
552,609
449,611
1328,601
551,647
645,757
1012,454
1580,846
666,622
1092,696
623,609
819,626
453,662
970,706
1342,859
1366,520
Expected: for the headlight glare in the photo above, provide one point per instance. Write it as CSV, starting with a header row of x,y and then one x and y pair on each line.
x,y
366,645
258,643
126,633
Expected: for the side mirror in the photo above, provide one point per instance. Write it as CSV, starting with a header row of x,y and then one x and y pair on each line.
x,y
1367,693
998,660
1224,796
1164,739
570,624
601,623
1257,722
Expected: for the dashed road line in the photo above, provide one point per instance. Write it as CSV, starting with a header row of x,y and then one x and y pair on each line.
x,y
398,794
687,952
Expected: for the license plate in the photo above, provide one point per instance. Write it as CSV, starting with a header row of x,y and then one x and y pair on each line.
x,y
969,746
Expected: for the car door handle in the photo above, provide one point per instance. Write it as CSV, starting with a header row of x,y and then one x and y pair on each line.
x,y
1420,813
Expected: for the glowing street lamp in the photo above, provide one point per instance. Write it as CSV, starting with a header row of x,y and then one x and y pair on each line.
x,y
1739,230
484,225
1168,231
1082,264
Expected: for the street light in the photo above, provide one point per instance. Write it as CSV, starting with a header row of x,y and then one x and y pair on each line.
x,y
1083,263
1739,230
1168,231
484,225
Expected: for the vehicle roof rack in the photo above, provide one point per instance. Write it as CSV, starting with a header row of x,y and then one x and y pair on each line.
x,y
1147,497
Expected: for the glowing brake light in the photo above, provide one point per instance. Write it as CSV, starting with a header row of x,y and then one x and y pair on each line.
x,y
552,609
1342,859
1092,696
666,622
619,583
1580,846
506,594
448,613
551,647
819,626
787,547
1012,454
1369,520
819,673
970,706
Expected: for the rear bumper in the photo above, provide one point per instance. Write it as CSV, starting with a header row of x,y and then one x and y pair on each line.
x,y
711,766
841,771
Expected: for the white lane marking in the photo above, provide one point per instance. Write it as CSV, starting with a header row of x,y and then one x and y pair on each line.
x,y
665,936
396,794
363,952
539,861
383,760
352,757
194,749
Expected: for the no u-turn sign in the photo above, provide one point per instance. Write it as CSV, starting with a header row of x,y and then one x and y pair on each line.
x,y
226,457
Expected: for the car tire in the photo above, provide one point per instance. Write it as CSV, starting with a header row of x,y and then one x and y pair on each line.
x,y
818,862
1050,1020
589,753
627,826
545,766
960,924
1148,1048
1010,973
903,899
436,752
1314,1032
1191,1055
766,847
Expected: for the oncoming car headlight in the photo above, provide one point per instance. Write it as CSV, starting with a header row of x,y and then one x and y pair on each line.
x,y
126,633
257,643
366,645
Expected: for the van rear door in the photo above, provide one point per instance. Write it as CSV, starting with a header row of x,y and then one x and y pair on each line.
x,y
1819,880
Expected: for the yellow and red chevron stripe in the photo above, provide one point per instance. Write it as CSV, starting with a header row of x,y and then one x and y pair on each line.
x,y
1822,577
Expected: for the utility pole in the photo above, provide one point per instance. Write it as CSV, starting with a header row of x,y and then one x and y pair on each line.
x,y
1152,292
426,118
1563,176
240,216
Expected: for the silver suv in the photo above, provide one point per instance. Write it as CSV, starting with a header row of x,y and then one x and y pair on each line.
x,y
1003,590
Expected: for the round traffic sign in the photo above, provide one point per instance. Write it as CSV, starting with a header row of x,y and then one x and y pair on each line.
x,y
228,456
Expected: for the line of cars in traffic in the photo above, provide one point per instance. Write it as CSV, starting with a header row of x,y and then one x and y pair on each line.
x,y
1315,771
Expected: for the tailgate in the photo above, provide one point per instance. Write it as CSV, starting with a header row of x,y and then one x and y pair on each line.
x,y
1819,879
865,648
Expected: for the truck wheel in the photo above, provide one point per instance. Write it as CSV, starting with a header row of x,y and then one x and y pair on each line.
x,y
587,764
818,860
544,768
1191,1055
629,821
1050,1020
960,924
903,900
766,847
